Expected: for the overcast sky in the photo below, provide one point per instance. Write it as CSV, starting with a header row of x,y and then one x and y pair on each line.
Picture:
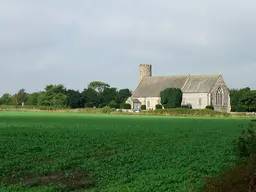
x,y
75,42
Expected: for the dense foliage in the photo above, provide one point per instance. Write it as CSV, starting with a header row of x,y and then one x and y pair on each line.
x,y
97,94
243,100
125,106
143,107
171,98
111,153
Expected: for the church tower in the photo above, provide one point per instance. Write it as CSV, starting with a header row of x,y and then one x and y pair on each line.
x,y
145,71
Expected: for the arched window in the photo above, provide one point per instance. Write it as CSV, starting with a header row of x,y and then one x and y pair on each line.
x,y
219,96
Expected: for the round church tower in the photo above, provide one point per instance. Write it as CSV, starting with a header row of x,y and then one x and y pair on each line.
x,y
145,71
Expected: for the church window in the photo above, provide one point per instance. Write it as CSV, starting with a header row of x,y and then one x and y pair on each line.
x,y
148,104
219,97
200,101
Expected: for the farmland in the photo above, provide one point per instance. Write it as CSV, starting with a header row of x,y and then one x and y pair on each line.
x,y
68,151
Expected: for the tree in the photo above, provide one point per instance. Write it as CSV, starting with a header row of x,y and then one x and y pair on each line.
x,y
90,96
242,100
171,97
54,96
123,95
248,101
108,95
32,99
74,99
98,86
6,99
20,97
112,104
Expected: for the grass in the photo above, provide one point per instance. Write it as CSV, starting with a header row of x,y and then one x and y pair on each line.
x,y
74,151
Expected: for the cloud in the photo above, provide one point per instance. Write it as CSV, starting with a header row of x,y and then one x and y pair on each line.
x,y
73,43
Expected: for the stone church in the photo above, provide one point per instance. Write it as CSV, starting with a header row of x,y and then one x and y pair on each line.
x,y
198,90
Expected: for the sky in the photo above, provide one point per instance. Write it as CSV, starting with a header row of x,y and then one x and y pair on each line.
x,y
75,42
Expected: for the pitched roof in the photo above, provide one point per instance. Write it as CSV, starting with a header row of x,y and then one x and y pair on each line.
x,y
136,101
152,86
200,83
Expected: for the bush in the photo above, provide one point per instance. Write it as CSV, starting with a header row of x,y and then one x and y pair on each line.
x,y
106,109
143,107
158,106
168,106
209,107
245,145
186,106
118,106
171,97
125,106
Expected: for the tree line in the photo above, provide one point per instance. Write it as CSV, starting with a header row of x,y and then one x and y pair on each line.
x,y
97,94
243,100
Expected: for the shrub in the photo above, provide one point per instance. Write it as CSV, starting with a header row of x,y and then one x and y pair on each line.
x,y
245,145
143,107
118,106
171,97
168,106
158,106
106,109
125,106
209,107
186,106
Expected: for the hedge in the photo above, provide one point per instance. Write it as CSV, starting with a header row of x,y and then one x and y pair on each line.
x,y
143,107
125,106
158,106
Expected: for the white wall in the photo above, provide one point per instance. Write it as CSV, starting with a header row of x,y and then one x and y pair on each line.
x,y
188,98
194,100
150,102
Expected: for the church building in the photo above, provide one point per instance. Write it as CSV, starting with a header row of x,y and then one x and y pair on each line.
x,y
198,91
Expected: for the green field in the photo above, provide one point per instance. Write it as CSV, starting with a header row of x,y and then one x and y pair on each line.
x,y
53,151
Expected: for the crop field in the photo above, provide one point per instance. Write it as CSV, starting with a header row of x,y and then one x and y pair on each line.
x,y
74,151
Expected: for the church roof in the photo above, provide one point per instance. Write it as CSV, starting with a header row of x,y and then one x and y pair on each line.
x,y
200,83
152,86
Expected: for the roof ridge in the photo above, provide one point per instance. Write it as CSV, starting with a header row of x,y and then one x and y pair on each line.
x,y
211,75
168,76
